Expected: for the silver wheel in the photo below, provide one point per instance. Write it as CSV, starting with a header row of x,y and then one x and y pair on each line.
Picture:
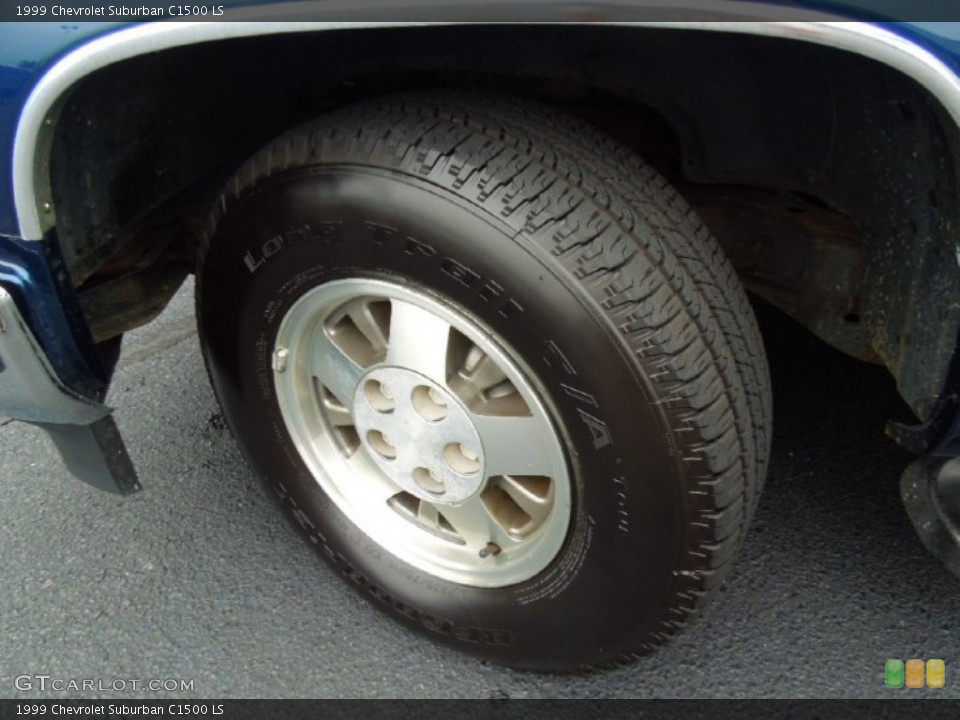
x,y
423,431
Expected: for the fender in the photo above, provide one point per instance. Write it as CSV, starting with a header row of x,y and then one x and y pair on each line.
x,y
31,198
30,212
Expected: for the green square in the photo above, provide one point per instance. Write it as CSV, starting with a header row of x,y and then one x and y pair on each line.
x,y
894,673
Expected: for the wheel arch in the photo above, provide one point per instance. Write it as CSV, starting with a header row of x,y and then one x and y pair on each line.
x,y
34,129
888,334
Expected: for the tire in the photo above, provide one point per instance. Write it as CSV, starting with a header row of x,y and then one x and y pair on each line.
x,y
561,480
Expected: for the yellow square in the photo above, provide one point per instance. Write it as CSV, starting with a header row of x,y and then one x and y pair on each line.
x,y
914,670
936,673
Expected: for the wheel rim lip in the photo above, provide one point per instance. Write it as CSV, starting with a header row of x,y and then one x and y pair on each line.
x,y
318,447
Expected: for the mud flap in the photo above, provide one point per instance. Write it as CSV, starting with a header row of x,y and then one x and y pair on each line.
x,y
96,454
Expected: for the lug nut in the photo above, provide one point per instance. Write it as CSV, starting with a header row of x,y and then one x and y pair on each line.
x,y
429,481
381,445
379,396
429,403
461,458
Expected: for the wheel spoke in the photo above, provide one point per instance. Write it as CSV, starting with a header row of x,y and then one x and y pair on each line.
x,y
531,494
418,341
335,369
428,515
485,374
363,316
338,415
475,525
515,446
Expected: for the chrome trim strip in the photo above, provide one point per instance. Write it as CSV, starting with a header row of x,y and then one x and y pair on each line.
x,y
861,38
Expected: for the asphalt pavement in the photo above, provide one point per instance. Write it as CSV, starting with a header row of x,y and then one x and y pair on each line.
x,y
199,578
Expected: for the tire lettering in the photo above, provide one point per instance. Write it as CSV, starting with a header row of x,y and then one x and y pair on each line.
x,y
323,231
598,429
599,432
461,273
563,573
488,290
438,625
497,637
555,358
509,309
412,247
579,395
267,250
406,610
262,367
622,515
302,520
382,234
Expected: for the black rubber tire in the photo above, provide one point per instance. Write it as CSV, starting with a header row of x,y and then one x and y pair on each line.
x,y
594,272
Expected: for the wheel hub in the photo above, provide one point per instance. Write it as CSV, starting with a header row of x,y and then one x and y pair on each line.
x,y
420,435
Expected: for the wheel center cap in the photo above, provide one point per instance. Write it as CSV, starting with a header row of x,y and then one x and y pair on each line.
x,y
419,434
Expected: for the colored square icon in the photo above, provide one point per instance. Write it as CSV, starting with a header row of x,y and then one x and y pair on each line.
x,y
893,673
936,673
914,673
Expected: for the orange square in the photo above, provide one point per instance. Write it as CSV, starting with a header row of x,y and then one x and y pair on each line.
x,y
914,673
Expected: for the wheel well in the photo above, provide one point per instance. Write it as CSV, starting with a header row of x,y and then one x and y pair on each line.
x,y
828,177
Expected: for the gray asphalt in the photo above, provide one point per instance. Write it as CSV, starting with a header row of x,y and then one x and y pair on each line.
x,y
199,577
